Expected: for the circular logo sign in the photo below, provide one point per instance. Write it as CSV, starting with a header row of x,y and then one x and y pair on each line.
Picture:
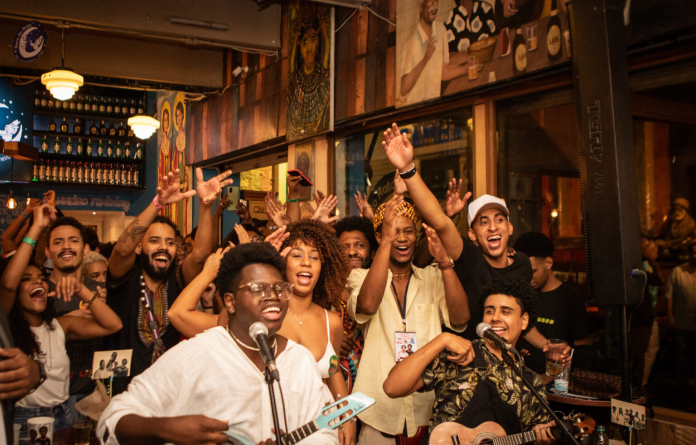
x,y
30,42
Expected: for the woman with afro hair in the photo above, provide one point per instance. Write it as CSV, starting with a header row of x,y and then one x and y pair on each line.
x,y
318,267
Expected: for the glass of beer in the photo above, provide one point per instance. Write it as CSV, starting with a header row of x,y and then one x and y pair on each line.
x,y
83,428
553,356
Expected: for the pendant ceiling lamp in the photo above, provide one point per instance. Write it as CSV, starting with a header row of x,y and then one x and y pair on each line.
x,y
62,82
143,126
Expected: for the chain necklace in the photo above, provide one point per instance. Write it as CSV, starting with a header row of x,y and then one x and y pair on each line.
x,y
304,319
401,275
243,345
49,362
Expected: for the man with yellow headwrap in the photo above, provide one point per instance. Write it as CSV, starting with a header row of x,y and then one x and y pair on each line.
x,y
400,307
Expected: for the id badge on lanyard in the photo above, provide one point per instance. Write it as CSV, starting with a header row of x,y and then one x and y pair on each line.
x,y
405,343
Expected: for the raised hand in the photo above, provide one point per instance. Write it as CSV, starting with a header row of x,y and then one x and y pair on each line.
x,y
275,211
293,186
44,215
66,288
50,198
209,191
318,197
169,192
242,234
278,237
453,201
391,215
437,250
33,204
364,206
222,205
212,264
324,210
399,184
398,148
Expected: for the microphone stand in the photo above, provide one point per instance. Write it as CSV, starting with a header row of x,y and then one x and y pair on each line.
x,y
510,361
274,409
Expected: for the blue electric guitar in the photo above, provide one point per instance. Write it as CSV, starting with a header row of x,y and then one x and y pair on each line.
x,y
332,416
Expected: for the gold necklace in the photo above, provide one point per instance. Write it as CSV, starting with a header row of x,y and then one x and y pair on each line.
x,y
401,275
243,345
304,319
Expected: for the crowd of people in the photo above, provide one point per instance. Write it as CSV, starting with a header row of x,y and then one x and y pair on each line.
x,y
385,304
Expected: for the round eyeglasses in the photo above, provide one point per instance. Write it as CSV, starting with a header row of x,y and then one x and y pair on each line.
x,y
262,291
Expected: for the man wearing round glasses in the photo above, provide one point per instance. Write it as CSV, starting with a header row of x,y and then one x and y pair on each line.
x,y
224,373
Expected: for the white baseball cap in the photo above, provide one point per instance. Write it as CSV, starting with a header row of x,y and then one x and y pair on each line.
x,y
486,202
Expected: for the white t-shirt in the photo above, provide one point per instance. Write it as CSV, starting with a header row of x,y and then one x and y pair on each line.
x,y
210,375
681,287
55,389
428,84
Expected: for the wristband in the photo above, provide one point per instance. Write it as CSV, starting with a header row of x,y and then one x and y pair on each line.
x,y
94,297
25,215
409,173
446,265
206,307
157,204
293,200
29,241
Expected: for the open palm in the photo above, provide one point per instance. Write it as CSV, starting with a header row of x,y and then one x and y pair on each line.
x,y
209,191
453,200
169,192
398,148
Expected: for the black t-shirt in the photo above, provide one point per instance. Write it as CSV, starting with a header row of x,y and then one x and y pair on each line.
x,y
124,299
80,352
475,272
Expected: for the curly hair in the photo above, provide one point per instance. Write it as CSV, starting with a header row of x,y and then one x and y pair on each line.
x,y
24,338
334,260
520,290
360,224
235,260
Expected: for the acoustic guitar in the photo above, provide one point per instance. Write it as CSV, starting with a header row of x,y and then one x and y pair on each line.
x,y
490,433
332,416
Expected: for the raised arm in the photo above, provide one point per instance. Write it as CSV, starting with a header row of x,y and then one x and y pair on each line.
x,y
208,192
406,377
104,321
8,237
183,314
123,254
372,289
217,218
400,153
455,296
293,200
19,262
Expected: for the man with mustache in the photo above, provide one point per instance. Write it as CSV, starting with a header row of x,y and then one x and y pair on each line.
x,y
357,235
143,279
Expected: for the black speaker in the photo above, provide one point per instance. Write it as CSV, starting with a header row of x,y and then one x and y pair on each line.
x,y
607,152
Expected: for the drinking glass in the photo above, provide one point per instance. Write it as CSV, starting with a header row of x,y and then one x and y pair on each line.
x,y
553,356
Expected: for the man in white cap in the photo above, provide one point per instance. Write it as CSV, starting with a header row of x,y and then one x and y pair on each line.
x,y
476,262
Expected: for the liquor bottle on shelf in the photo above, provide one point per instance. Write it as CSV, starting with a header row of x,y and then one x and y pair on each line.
x,y
103,130
129,175
553,34
121,130
79,173
51,104
108,177
127,150
141,110
109,107
68,171
56,146
91,173
54,171
69,147
136,180
77,128
58,104
93,130
80,104
87,104
124,109
100,149
37,100
117,174
80,147
124,175
131,133
109,150
102,106
112,130
132,109
117,108
44,102
42,170
119,150
64,126
52,126
138,151
90,147
72,105
44,145
519,50
61,171
35,172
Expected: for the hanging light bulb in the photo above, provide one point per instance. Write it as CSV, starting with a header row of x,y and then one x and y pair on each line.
x,y
62,82
143,126
11,203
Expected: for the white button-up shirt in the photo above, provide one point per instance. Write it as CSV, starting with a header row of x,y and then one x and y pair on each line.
x,y
428,84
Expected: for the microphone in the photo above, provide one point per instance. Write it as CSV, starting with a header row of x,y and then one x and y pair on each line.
x,y
484,330
259,332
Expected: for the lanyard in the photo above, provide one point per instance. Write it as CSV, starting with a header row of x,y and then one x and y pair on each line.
x,y
402,310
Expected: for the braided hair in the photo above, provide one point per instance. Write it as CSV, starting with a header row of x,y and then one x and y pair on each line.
x,y
334,261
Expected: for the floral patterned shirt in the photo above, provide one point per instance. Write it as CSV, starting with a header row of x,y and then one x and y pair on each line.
x,y
454,386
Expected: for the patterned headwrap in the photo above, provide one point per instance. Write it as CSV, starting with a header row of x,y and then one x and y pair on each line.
x,y
409,212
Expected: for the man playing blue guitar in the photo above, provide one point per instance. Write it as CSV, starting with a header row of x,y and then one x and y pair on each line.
x,y
487,390
221,383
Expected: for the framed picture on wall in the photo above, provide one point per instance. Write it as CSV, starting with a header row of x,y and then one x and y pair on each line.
x,y
257,204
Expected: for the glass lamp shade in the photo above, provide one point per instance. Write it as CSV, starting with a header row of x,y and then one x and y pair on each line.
x,y
62,83
143,126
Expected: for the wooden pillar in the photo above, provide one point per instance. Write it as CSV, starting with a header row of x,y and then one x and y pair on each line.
x,y
484,152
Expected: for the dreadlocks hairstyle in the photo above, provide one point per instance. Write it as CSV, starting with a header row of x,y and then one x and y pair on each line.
x,y
520,290
334,261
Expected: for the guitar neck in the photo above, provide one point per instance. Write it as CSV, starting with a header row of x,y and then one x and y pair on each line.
x,y
515,439
301,433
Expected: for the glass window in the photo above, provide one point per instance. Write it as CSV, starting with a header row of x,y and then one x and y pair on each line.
x,y
442,151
